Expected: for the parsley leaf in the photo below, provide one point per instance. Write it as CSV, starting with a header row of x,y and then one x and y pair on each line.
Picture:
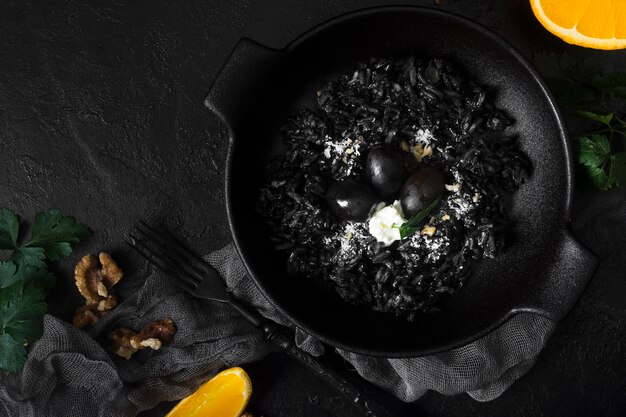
x,y
413,224
13,355
604,119
8,274
605,170
21,306
9,228
20,303
24,278
28,261
54,233
600,98
597,176
617,170
593,150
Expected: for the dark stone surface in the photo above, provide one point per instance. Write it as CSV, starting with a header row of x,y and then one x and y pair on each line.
x,y
101,116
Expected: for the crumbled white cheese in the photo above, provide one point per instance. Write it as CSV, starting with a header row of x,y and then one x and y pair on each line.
x,y
460,204
424,136
346,150
438,247
457,176
350,240
476,197
453,187
381,224
348,234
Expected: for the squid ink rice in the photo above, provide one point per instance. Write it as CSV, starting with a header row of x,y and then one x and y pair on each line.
x,y
432,115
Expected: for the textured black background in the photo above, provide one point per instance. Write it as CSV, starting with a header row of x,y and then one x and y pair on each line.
x,y
101,116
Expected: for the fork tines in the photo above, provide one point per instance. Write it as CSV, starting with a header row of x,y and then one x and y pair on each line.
x,y
166,254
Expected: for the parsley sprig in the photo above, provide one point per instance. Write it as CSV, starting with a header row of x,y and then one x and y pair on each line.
x,y
599,98
25,279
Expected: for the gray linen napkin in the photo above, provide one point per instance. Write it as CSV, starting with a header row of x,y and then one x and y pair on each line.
x,y
68,372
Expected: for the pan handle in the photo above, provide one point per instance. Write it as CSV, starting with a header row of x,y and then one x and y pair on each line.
x,y
571,270
245,72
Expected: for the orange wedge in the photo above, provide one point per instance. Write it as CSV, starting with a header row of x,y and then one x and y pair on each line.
x,y
599,24
226,395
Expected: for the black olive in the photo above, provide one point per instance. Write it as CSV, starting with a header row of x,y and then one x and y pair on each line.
x,y
350,200
385,170
424,186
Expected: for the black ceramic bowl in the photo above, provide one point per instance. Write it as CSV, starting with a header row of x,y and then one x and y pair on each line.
x,y
544,270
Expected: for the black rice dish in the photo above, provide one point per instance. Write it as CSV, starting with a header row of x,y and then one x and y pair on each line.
x,y
394,186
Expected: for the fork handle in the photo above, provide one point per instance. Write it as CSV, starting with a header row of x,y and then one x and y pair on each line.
x,y
356,392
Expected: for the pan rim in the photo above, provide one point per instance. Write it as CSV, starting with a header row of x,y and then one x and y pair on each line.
x,y
568,176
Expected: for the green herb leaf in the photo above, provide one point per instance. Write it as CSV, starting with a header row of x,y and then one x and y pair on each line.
x,y
594,150
604,119
8,274
614,83
29,261
43,278
604,169
21,308
590,93
9,228
412,225
598,177
13,355
54,233
617,170
25,277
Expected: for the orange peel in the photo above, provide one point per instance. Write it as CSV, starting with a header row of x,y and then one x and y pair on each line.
x,y
599,24
225,395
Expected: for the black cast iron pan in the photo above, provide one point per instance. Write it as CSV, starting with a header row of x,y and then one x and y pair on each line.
x,y
543,270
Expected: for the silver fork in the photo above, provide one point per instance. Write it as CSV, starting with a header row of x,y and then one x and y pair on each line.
x,y
201,280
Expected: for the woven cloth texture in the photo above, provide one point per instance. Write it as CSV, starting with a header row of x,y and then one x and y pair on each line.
x,y
69,372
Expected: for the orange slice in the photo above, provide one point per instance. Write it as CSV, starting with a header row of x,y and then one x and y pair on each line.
x,y
599,24
226,395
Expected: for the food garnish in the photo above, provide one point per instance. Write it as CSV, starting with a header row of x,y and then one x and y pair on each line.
x,y
381,224
428,230
89,314
598,24
119,342
385,170
597,98
225,395
425,185
350,200
413,224
95,276
25,279
125,342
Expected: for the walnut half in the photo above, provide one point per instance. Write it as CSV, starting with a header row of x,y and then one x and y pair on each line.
x,y
96,275
125,342
89,314
154,334
119,342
